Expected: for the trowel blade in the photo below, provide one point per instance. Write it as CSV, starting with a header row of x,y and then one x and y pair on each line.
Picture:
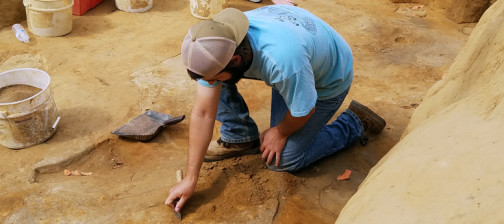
x,y
179,216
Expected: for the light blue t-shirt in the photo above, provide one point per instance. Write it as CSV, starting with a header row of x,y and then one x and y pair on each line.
x,y
299,55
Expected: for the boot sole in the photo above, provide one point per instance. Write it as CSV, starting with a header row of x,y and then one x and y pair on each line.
x,y
231,155
357,107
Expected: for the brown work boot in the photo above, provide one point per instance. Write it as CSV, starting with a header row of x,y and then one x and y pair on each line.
x,y
220,149
370,120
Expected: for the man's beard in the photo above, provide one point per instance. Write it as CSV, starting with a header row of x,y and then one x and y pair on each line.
x,y
237,73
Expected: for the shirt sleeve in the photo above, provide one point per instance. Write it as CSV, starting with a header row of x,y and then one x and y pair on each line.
x,y
299,93
206,84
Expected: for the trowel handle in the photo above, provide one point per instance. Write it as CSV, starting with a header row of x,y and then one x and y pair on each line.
x,y
174,120
180,176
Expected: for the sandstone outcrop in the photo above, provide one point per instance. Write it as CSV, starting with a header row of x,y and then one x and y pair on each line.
x,y
447,168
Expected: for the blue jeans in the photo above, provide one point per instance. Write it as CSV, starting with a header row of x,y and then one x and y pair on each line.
x,y
315,140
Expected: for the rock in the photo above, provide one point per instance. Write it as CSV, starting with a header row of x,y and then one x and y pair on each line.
x,y
467,30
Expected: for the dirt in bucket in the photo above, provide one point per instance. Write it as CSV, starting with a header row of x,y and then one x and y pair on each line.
x,y
139,4
17,92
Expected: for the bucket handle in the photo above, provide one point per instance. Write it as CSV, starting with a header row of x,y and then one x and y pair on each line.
x,y
55,124
29,6
48,129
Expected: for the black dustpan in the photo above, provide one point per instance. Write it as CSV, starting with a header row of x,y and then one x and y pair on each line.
x,y
147,125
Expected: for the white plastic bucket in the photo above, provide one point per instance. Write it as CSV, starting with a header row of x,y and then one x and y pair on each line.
x,y
206,9
30,121
49,18
134,5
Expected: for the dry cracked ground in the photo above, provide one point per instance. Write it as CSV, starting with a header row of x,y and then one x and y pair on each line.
x,y
114,65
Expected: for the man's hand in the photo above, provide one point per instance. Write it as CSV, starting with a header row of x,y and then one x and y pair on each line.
x,y
273,142
274,139
181,193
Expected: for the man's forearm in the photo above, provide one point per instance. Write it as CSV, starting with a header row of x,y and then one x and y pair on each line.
x,y
289,124
200,135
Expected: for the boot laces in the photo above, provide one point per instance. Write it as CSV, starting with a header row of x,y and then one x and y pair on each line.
x,y
224,144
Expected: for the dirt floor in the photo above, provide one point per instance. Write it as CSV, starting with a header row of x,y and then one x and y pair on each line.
x,y
114,65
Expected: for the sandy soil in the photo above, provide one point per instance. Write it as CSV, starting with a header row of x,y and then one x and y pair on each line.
x,y
114,65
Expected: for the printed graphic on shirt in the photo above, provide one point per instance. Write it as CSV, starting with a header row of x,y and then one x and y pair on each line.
x,y
291,17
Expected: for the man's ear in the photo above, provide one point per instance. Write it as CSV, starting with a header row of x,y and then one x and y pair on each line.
x,y
236,60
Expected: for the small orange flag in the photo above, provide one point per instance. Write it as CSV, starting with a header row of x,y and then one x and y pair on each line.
x,y
345,175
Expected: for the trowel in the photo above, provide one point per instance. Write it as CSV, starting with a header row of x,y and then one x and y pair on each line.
x,y
179,178
147,125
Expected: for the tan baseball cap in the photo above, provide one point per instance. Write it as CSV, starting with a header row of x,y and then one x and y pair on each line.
x,y
210,44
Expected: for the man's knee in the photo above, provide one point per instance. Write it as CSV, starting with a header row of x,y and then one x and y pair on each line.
x,y
292,160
